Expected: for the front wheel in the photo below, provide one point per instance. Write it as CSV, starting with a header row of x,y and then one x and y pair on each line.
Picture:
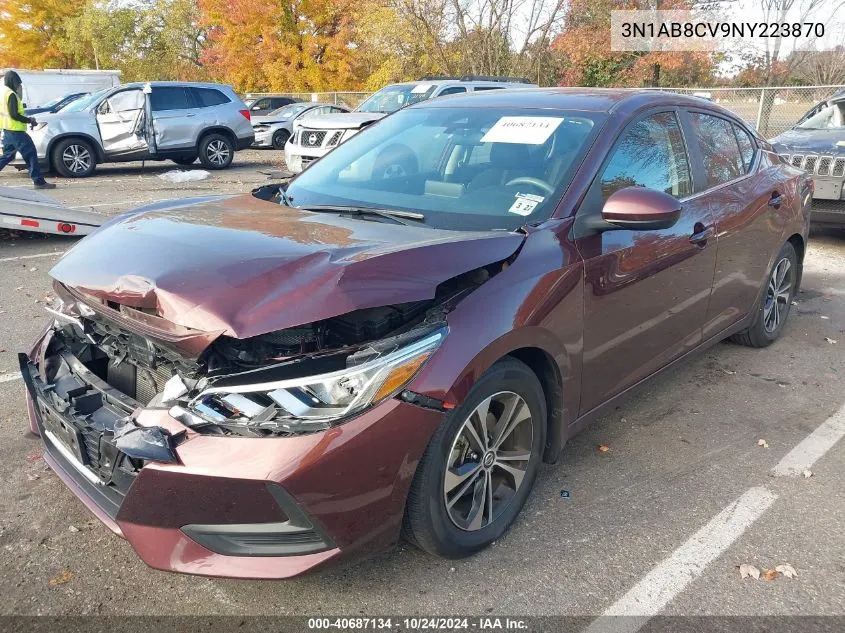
x,y
280,138
216,151
480,465
73,158
772,311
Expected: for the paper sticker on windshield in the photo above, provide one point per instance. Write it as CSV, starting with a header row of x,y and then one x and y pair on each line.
x,y
529,130
840,143
420,88
525,203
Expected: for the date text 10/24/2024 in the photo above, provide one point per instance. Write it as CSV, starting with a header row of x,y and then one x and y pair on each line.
x,y
419,623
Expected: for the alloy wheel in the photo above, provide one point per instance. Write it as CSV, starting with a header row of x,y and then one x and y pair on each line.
x,y
488,461
778,293
76,158
217,152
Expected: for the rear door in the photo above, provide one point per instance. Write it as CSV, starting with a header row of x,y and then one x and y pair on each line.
x,y
749,201
120,119
646,292
175,118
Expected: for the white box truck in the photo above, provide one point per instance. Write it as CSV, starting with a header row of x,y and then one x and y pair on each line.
x,y
40,86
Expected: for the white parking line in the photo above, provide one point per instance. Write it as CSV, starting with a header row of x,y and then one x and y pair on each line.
x,y
670,577
657,588
812,447
9,377
20,257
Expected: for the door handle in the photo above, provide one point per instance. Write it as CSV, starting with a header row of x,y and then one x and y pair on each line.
x,y
702,234
776,200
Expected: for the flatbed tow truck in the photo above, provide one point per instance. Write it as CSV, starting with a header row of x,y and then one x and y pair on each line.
x,y
27,210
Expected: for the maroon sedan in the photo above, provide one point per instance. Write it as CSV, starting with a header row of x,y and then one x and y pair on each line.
x,y
260,385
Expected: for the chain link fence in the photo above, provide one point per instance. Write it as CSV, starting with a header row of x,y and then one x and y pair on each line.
x,y
769,110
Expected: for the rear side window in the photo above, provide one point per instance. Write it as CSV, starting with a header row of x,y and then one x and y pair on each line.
x,y
746,147
481,88
208,97
452,90
169,98
651,153
719,149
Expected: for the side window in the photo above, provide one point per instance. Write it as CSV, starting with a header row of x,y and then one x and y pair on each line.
x,y
125,101
481,88
169,98
335,110
651,154
719,149
452,90
208,97
746,147
261,104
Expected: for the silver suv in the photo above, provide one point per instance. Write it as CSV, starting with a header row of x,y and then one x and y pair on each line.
x,y
145,121
316,137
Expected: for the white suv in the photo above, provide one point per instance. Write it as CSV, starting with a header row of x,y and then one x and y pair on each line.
x,y
316,137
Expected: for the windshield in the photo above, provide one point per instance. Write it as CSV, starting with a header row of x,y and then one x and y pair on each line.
x,y
463,168
82,103
53,102
391,98
830,117
288,111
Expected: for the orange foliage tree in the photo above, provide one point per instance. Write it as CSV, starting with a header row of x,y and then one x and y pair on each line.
x,y
586,58
287,45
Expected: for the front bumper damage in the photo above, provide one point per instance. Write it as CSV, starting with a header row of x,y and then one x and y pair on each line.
x,y
215,505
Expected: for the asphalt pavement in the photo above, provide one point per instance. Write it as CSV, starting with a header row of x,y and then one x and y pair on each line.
x,y
692,485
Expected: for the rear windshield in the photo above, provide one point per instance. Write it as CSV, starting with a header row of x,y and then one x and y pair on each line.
x,y
463,168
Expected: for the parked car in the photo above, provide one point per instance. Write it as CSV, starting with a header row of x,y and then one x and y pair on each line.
x,y
259,106
817,145
315,138
54,105
138,121
260,385
275,129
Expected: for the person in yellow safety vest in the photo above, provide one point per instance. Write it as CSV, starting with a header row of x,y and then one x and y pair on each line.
x,y
13,124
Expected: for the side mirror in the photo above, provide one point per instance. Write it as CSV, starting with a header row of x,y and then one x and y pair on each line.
x,y
640,209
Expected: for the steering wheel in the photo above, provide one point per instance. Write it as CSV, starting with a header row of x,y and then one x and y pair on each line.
x,y
529,180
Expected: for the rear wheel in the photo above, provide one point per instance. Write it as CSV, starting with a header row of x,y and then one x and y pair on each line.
x,y
772,311
480,465
216,151
280,138
73,158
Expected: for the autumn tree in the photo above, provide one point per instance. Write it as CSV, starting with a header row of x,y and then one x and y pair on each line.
x,y
30,32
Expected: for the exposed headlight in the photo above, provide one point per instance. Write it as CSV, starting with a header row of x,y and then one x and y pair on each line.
x,y
313,403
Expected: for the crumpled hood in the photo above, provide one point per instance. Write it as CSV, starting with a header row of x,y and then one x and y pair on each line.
x,y
345,121
243,266
830,142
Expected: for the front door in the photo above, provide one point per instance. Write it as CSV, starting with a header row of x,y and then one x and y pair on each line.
x,y
646,292
120,119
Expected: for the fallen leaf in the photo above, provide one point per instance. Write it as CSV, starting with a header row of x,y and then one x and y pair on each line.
x,y
72,528
749,571
603,448
34,457
787,570
807,473
763,443
832,341
769,574
61,578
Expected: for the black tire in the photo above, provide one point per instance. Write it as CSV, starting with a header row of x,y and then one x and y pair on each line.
x,y
768,326
427,522
216,151
73,158
280,137
185,160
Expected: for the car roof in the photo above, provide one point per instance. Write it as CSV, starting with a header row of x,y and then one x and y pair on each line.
x,y
160,84
460,82
582,99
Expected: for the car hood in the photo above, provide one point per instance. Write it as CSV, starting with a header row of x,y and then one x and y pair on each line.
x,y
817,141
242,266
64,118
347,121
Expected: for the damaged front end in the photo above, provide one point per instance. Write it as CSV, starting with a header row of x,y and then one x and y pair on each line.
x,y
102,362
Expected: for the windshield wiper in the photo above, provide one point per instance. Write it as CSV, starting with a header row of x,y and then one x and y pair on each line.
x,y
390,214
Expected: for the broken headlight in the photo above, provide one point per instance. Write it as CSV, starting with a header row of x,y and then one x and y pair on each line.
x,y
313,403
